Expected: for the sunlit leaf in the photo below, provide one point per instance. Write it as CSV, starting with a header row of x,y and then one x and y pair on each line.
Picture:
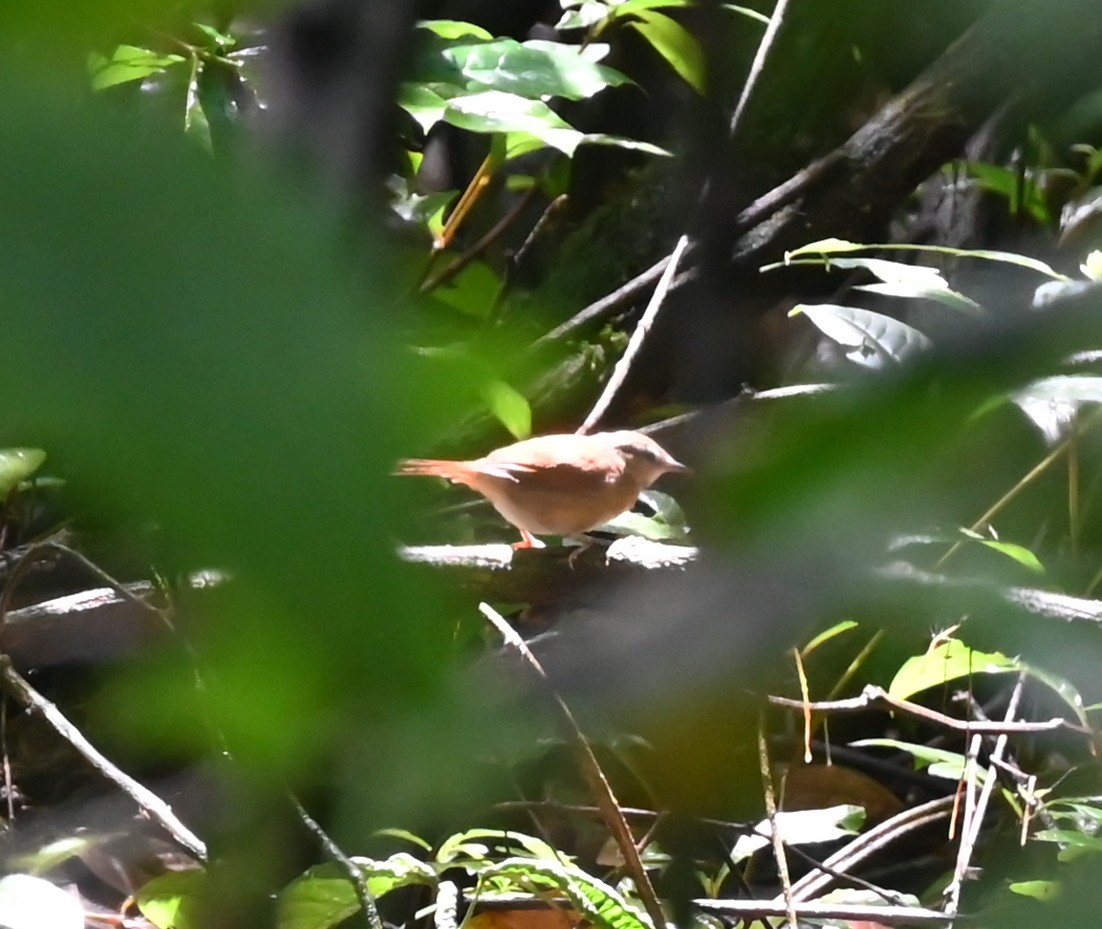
x,y
871,339
454,29
324,896
535,69
1038,890
802,827
937,761
675,44
946,662
128,63
16,465
170,901
827,634
510,407
832,246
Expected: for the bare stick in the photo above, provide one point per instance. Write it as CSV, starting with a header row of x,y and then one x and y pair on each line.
x,y
609,806
352,871
620,372
873,696
152,805
766,768
970,829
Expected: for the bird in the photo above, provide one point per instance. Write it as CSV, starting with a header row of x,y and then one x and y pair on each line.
x,y
562,485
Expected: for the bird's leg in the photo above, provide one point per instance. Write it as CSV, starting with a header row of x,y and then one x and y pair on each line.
x,y
527,540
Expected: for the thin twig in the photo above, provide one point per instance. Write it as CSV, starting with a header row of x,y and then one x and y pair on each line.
x,y
445,275
638,336
766,768
887,915
354,873
869,843
606,800
152,805
873,697
975,811
599,309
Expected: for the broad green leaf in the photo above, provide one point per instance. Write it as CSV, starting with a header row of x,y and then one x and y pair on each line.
x,y
533,69
1038,890
802,827
128,63
1052,403
454,29
675,44
948,661
472,291
324,896
871,339
16,465
424,103
584,15
601,904
1064,388
510,408
1018,553
170,901
476,844
496,111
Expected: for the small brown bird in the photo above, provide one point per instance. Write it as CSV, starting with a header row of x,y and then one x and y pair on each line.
x,y
559,484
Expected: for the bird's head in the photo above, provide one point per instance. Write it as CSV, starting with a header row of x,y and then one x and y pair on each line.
x,y
644,458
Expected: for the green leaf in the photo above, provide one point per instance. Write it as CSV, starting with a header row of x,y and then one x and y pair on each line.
x,y
324,896
424,103
907,280
837,629
941,763
533,69
195,119
1038,890
128,63
170,901
470,845
221,40
948,661
872,340
16,465
584,15
472,291
675,44
601,904
1067,692
510,407
831,246
668,521
495,111
454,29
